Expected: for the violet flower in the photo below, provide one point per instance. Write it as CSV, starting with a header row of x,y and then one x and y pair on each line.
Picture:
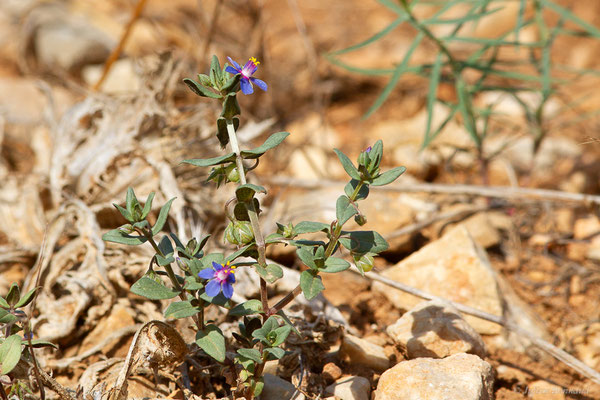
x,y
246,73
220,278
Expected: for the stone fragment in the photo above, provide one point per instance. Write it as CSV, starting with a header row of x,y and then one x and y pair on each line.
x,y
452,267
461,376
122,77
350,388
331,372
278,389
360,351
435,329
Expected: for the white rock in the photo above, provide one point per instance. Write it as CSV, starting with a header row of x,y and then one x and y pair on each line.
x,y
461,376
435,329
360,351
122,77
278,389
350,388
453,267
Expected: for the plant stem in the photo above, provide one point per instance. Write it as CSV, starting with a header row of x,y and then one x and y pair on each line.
x,y
253,214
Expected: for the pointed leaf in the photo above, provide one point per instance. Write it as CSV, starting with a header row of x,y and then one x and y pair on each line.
x,y
310,284
388,176
247,191
27,298
276,352
117,236
272,273
124,212
273,141
150,289
334,264
6,317
200,90
250,307
212,341
310,227
148,205
306,257
207,162
10,353
251,354
363,192
162,217
363,242
344,210
348,165
181,309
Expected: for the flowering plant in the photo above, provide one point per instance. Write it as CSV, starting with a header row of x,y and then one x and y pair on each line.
x,y
208,279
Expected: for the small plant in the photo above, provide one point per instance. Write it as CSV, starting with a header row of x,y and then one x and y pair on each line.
x,y
17,341
206,279
537,73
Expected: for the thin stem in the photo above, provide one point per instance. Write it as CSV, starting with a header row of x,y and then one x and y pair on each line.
x,y
253,214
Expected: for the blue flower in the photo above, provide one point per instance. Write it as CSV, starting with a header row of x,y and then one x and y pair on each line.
x,y
247,71
220,278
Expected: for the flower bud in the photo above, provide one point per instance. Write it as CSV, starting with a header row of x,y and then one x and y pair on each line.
x,y
239,233
126,229
233,174
360,219
364,262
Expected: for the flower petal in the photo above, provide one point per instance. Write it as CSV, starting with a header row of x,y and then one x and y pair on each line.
x,y
231,278
207,273
246,86
227,289
232,70
212,288
236,65
259,83
217,266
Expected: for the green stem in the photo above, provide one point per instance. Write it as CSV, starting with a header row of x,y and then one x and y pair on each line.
x,y
253,214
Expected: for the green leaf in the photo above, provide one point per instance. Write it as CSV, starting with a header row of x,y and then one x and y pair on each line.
x,y
310,227
124,212
348,165
10,353
371,39
37,343
461,20
465,108
263,332
200,90
207,162
6,317
434,81
3,303
276,352
252,354
215,70
273,141
162,217
212,341
310,284
271,273
281,314
344,210
363,192
148,205
190,282
334,264
240,252
282,333
165,246
307,257
181,309
388,176
150,289
363,242
117,236
247,191
27,298
249,307
566,14
14,294
231,107
131,201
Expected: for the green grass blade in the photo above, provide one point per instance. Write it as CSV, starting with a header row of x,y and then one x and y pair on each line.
x,y
372,39
439,129
462,20
434,81
519,24
400,70
568,15
465,108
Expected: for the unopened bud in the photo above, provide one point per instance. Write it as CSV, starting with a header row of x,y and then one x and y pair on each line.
x,y
239,233
364,262
360,219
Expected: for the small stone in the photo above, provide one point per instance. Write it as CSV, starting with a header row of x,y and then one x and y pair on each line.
x,y
350,388
331,372
278,389
461,376
482,230
435,329
542,390
271,367
360,351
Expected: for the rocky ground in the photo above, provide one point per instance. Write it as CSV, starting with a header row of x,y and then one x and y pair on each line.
x,y
68,152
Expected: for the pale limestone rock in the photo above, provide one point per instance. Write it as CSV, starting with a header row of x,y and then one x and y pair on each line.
x,y
122,77
461,376
435,329
584,340
452,267
278,389
360,351
350,388
542,390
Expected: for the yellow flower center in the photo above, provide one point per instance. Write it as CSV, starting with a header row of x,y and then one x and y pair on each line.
x,y
253,59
